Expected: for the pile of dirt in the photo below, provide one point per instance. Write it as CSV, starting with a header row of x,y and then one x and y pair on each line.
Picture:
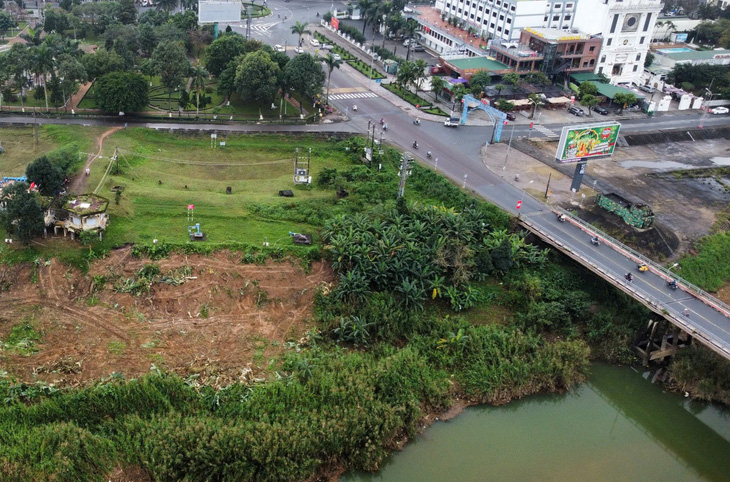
x,y
212,316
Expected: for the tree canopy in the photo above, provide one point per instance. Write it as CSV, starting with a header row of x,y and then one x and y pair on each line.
x,y
121,92
45,175
256,77
304,74
22,216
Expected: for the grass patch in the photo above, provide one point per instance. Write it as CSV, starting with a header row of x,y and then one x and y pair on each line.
x,y
23,339
364,69
414,99
116,347
710,268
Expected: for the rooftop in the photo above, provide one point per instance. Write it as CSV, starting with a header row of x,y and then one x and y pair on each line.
x,y
609,91
697,54
482,63
557,35
86,204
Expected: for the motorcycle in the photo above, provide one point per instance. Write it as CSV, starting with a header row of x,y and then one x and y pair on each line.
x,y
415,145
672,284
629,277
595,242
642,268
354,107
385,126
428,154
382,121
561,217
417,122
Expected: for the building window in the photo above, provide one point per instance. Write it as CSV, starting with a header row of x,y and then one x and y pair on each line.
x,y
481,8
512,8
603,59
499,29
545,19
471,16
494,14
635,67
501,17
609,41
648,20
568,5
638,57
641,41
585,64
506,32
459,10
556,18
592,62
558,6
509,20
491,25
613,24
600,70
567,17
592,48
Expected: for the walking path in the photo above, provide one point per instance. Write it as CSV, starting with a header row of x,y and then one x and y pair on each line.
x,y
78,185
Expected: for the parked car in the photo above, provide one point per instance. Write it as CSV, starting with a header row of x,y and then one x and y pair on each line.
x,y
720,110
326,47
279,48
452,122
406,42
336,56
576,111
314,42
299,50
419,48
510,116
647,88
599,110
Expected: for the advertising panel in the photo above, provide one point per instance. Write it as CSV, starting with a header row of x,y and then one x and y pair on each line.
x,y
581,143
335,23
218,11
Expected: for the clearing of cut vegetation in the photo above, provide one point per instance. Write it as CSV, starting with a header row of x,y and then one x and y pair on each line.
x,y
212,316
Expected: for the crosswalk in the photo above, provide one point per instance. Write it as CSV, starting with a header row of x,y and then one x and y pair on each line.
x,y
262,28
354,95
545,131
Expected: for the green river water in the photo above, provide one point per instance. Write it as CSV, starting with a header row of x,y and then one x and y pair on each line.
x,y
616,427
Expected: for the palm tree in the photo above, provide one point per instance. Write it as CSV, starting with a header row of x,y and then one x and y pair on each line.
x,y
409,30
419,73
499,88
43,62
200,75
437,85
300,29
167,5
332,64
19,62
365,7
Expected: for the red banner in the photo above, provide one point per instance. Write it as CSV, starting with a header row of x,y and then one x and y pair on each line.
x,y
335,22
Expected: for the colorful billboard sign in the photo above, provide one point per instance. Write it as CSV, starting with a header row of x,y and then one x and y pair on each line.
x,y
335,23
581,143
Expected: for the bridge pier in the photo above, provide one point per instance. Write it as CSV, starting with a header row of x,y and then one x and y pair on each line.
x,y
658,340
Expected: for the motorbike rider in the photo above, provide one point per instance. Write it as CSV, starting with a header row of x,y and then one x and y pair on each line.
x,y
673,283
629,277
415,144
594,240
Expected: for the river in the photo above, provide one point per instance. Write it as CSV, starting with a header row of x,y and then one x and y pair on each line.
x,y
616,426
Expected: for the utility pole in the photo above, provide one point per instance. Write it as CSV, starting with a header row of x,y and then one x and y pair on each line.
x,y
406,162
35,127
547,187
115,159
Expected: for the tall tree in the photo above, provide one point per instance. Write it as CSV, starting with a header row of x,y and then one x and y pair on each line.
x,y
43,66
18,64
299,29
121,92
624,100
171,64
437,85
147,39
409,30
45,175
589,101
23,216
70,72
200,75
102,62
256,77
419,74
127,12
305,75
222,51
332,63
166,5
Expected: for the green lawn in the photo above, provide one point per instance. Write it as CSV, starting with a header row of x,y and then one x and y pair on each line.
x,y
364,69
20,147
414,100
30,100
263,166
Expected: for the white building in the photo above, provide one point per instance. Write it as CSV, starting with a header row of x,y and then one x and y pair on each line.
x,y
505,18
627,28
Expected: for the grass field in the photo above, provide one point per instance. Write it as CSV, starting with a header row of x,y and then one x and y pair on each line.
x,y
155,167
21,149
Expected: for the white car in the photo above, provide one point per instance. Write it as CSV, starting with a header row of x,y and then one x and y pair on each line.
x,y
314,42
278,48
720,110
299,50
336,56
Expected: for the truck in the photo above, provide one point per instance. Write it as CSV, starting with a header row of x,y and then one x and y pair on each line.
x,y
452,122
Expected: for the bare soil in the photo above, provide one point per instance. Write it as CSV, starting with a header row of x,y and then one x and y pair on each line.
x,y
223,322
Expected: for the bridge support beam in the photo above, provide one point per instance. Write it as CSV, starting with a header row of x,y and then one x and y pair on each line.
x,y
659,340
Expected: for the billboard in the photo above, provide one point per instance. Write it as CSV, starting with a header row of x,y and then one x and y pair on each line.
x,y
590,141
218,11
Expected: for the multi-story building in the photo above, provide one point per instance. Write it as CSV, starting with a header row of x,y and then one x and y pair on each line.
x,y
626,27
550,51
504,19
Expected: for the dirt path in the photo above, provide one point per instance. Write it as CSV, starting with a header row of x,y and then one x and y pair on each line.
x,y
78,185
75,100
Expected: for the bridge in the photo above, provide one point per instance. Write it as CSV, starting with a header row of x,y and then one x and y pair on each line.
x,y
688,308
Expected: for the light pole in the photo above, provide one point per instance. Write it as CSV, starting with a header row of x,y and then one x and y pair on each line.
x,y
508,146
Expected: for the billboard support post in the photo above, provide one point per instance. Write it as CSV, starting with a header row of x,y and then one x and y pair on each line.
x,y
580,169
